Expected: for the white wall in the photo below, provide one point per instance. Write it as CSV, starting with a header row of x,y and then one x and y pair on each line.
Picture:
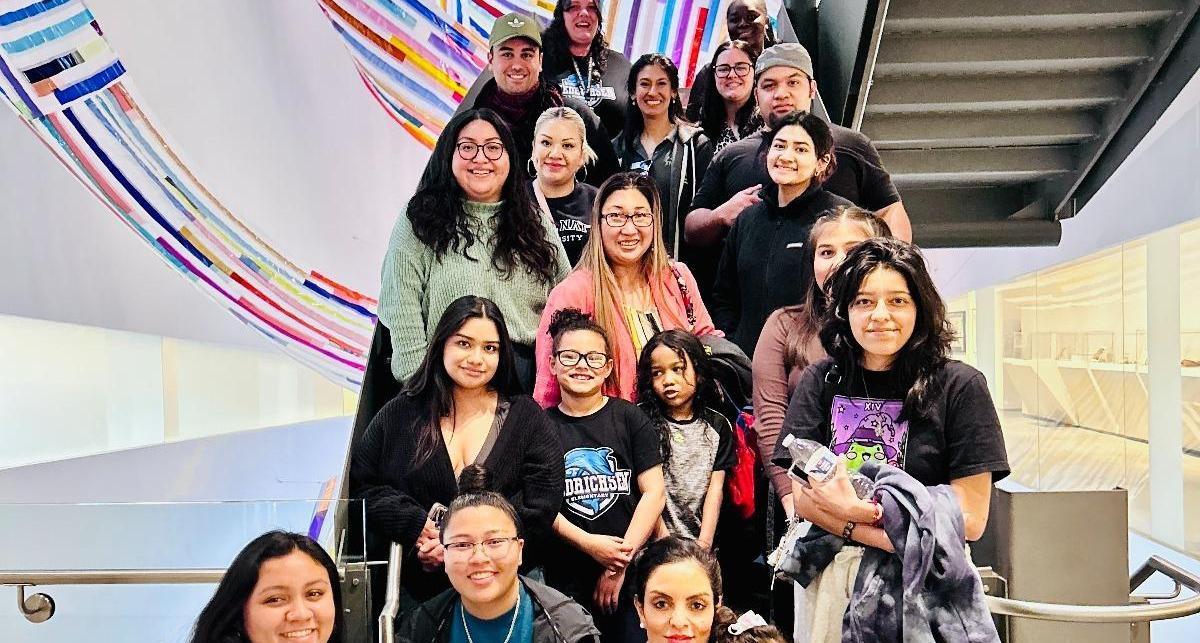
x,y
262,101
1157,187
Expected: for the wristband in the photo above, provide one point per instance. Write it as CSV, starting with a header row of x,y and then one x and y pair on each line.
x,y
848,530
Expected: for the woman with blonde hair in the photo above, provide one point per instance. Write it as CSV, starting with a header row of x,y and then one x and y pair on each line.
x,y
626,281
560,152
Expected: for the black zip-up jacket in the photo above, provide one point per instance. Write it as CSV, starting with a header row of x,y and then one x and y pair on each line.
x,y
761,268
556,618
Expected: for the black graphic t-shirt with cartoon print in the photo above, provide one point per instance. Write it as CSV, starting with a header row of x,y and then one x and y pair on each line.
x,y
860,420
603,454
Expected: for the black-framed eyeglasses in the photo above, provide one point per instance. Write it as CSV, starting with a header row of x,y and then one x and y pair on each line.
x,y
467,150
618,219
593,359
492,547
741,70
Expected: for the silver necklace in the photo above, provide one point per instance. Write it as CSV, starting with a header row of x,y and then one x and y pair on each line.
x,y
462,613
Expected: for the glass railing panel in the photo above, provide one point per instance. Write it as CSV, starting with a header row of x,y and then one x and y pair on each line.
x,y
132,390
140,537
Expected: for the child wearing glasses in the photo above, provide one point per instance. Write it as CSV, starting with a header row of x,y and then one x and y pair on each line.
x,y
613,496
626,282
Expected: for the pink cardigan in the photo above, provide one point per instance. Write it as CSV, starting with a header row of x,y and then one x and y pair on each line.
x,y
576,292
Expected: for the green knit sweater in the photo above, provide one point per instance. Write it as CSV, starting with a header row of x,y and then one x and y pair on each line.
x,y
417,287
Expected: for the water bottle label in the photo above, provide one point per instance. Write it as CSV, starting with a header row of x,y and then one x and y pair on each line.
x,y
822,464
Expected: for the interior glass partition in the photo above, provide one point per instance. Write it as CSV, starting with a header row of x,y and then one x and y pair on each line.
x,y
1077,356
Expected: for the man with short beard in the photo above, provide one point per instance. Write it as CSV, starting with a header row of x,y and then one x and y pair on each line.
x,y
517,91
783,83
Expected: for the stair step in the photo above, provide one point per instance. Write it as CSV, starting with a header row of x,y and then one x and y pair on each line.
x,y
989,203
990,94
915,9
1060,22
1013,53
977,166
908,131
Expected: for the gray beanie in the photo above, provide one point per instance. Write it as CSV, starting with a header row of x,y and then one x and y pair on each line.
x,y
785,54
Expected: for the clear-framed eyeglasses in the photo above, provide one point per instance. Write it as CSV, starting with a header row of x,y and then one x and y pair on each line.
x,y
741,70
569,358
467,150
618,219
492,548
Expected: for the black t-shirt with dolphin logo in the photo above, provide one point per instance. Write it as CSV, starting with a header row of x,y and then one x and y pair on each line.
x,y
603,454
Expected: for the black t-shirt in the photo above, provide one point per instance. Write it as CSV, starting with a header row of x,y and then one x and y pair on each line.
x,y
860,419
573,218
859,175
606,94
603,454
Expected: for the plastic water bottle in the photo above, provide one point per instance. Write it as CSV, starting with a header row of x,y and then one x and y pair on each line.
x,y
814,460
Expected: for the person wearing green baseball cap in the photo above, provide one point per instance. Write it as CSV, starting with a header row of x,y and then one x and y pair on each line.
x,y
513,86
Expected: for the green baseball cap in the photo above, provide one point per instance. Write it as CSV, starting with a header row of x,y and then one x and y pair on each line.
x,y
514,25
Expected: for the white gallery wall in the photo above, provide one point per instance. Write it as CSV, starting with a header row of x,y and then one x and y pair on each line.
x,y
262,101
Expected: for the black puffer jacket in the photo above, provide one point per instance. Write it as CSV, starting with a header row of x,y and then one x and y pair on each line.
x,y
556,618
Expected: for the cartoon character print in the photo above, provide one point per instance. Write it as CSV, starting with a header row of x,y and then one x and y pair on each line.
x,y
593,481
867,429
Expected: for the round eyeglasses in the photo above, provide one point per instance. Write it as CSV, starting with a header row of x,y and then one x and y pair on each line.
x,y
618,219
492,548
467,150
741,70
570,358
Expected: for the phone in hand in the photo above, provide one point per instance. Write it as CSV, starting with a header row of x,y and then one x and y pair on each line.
x,y
437,513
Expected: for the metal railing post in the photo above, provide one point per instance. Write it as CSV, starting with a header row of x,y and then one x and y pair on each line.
x,y
391,606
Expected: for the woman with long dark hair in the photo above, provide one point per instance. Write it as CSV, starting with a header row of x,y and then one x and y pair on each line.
x,y
888,393
626,281
280,585
763,252
462,406
745,20
471,228
728,111
577,59
659,142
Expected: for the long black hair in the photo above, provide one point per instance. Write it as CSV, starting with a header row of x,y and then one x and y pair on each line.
x,y
673,549
818,130
689,349
712,106
920,359
431,388
223,619
556,44
633,119
440,221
